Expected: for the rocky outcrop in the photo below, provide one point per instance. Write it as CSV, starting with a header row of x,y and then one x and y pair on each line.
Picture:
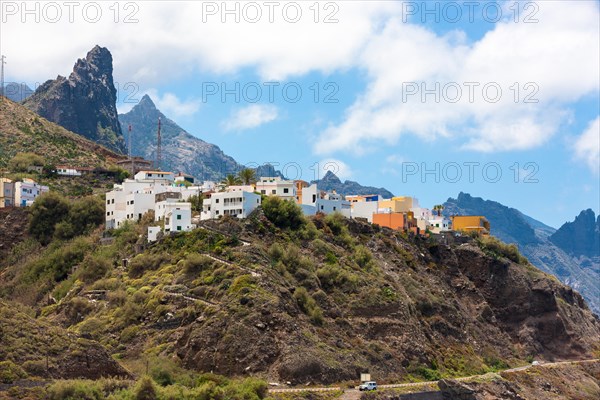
x,y
562,253
331,182
580,237
85,102
181,151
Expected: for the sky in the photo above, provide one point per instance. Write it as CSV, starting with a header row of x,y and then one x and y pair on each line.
x,y
499,99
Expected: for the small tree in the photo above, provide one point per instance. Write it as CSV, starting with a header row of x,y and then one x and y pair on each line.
x,y
47,211
283,213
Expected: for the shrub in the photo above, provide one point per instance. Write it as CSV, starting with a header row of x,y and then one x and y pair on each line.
x,y
74,390
308,305
10,372
333,276
496,248
93,268
276,252
282,213
84,215
196,263
145,390
46,212
146,262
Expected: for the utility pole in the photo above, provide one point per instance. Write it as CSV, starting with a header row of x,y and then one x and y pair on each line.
x,y
130,153
2,62
158,147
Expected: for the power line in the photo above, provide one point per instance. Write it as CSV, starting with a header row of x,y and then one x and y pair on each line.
x,y
2,62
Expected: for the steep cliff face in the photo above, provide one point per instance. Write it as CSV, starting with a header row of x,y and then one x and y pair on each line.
x,y
580,237
564,253
180,150
85,102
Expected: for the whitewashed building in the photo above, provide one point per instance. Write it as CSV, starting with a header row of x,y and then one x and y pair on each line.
x,y
314,201
154,175
365,210
275,186
27,191
235,204
439,224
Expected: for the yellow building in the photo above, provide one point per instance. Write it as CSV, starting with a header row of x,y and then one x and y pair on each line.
x,y
7,193
471,223
399,204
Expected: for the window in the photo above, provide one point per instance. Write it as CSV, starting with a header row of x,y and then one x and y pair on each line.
x,y
178,216
178,228
108,214
263,192
216,200
274,191
286,190
107,201
112,201
333,208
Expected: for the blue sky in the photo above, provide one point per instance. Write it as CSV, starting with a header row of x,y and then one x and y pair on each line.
x,y
373,61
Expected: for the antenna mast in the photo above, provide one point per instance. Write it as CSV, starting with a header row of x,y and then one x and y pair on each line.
x,y
2,62
158,147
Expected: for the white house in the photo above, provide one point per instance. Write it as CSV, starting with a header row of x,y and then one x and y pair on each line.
x,y
275,186
313,201
235,204
439,224
27,191
132,198
154,175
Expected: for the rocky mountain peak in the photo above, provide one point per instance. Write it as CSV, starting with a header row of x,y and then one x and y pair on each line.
x,y
85,103
330,177
580,237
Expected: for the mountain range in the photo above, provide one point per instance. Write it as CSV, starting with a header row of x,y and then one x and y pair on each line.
x,y
571,253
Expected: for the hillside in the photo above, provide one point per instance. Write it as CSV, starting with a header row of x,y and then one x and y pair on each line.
x,y
21,130
85,102
181,151
319,303
42,349
534,241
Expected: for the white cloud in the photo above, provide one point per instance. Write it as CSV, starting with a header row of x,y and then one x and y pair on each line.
x,y
250,117
587,146
559,56
338,167
171,105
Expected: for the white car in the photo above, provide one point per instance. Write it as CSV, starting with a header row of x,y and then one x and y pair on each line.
x,y
367,386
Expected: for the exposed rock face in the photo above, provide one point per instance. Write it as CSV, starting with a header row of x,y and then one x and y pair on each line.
x,y
580,237
84,103
567,253
331,182
180,150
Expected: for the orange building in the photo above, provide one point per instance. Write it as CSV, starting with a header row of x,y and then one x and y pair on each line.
x,y
471,223
390,220
299,186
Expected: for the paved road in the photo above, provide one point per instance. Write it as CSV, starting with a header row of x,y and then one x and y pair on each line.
x,y
354,394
